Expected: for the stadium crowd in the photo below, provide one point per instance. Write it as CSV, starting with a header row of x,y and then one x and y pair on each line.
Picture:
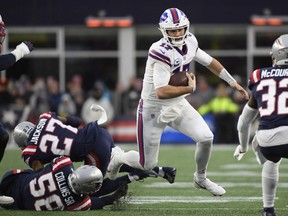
x,y
26,99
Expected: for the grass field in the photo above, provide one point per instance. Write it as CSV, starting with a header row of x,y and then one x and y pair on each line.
x,y
155,197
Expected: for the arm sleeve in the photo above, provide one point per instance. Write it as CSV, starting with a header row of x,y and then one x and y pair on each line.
x,y
202,57
243,126
7,61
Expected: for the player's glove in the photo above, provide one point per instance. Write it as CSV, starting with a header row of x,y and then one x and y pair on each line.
x,y
29,44
239,153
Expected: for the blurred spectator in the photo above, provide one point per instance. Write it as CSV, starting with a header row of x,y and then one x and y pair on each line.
x,y
5,96
54,94
236,95
225,113
130,98
39,99
204,93
67,106
97,96
20,90
75,89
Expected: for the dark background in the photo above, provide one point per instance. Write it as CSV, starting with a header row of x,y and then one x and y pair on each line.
x,y
71,12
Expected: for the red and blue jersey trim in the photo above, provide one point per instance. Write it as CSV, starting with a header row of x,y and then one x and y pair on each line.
x,y
158,56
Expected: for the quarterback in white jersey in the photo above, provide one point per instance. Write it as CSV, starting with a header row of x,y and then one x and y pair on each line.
x,y
162,104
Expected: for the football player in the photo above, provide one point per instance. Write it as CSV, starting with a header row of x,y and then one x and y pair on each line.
x,y
268,101
59,187
6,61
55,136
162,104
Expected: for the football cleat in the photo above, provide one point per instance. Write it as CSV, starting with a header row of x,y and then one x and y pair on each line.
x,y
115,163
138,174
210,186
170,174
5,200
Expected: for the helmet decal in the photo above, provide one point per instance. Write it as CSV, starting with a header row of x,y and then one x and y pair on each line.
x,y
175,16
163,17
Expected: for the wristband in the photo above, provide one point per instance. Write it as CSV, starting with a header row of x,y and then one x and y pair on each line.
x,y
226,76
193,89
20,51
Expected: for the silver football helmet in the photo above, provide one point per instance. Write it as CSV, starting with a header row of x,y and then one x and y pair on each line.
x,y
173,19
85,180
279,51
22,132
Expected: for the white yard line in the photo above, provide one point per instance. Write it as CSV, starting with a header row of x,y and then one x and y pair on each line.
x,y
224,184
190,199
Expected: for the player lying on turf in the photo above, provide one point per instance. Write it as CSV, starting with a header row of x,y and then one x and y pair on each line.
x,y
54,136
59,187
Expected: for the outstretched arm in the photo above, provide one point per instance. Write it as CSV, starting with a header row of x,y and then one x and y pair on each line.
x,y
217,68
21,50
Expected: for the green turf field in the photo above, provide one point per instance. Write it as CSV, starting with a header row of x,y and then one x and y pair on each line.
x,y
156,197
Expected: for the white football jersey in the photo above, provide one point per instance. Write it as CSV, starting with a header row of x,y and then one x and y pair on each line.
x,y
169,59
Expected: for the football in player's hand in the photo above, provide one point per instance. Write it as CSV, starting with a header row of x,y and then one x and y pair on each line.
x,y
179,79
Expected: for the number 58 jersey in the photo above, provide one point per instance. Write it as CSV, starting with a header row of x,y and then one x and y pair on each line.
x,y
270,89
46,189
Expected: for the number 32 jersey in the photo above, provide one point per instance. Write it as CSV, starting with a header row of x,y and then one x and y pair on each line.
x,y
270,89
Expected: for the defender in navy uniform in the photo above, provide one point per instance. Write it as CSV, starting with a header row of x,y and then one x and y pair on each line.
x,y
269,95
55,136
6,61
59,187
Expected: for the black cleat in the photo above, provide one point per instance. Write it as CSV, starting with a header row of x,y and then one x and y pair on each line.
x,y
170,174
268,212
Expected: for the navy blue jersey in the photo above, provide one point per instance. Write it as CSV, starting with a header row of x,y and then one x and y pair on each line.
x,y
46,189
51,138
269,86
7,61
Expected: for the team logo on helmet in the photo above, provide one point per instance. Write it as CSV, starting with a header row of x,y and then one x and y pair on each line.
x,y
163,17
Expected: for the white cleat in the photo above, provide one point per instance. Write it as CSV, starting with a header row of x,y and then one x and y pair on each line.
x,y
115,163
210,186
5,200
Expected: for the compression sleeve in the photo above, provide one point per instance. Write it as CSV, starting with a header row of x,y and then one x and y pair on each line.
x,y
243,126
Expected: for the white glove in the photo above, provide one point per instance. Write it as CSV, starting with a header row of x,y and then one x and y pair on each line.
x,y
100,113
21,50
239,153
